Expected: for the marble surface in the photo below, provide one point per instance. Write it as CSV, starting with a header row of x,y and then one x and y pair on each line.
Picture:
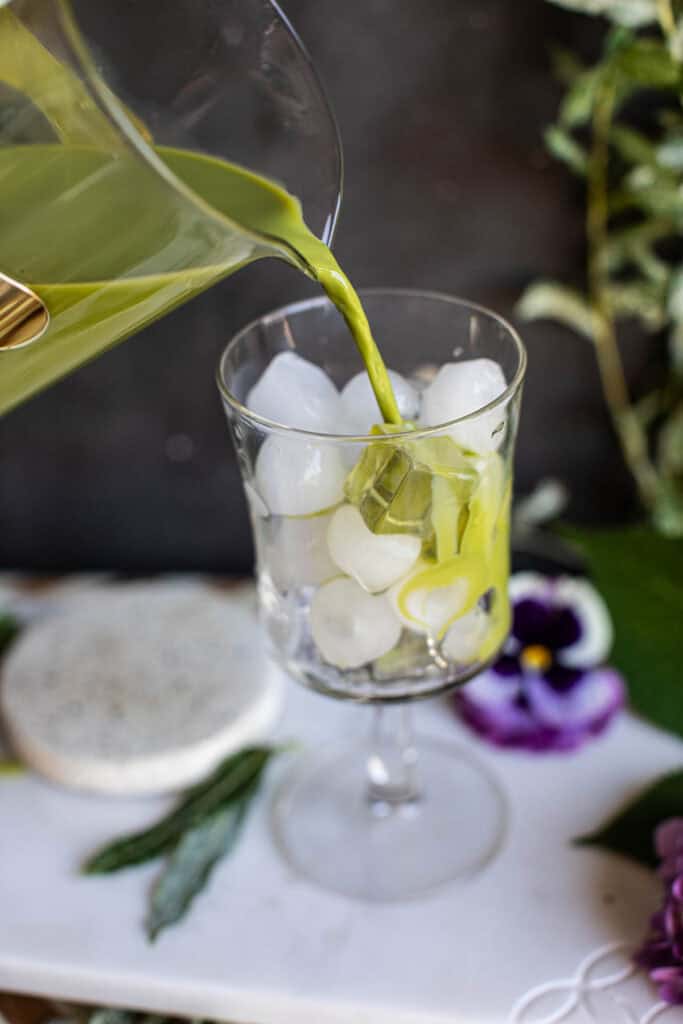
x,y
263,946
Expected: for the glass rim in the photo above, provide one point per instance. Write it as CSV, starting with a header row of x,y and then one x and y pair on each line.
x,y
303,305
123,123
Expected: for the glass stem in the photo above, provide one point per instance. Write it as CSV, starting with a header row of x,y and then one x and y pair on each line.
x,y
392,760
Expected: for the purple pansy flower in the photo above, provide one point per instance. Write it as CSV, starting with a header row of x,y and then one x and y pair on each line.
x,y
662,952
549,689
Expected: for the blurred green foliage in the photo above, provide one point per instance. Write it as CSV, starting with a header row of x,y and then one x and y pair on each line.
x,y
630,155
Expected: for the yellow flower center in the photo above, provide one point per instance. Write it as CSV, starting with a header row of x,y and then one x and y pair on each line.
x,y
536,658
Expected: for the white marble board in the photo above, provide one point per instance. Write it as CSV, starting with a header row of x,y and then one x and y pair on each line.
x,y
264,947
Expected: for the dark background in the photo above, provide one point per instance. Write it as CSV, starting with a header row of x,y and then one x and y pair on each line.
x,y
442,103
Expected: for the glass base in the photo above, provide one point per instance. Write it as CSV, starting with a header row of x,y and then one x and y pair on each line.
x,y
334,834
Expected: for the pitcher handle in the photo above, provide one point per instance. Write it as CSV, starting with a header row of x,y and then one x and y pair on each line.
x,y
24,317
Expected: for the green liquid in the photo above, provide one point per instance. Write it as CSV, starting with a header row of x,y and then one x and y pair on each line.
x,y
110,247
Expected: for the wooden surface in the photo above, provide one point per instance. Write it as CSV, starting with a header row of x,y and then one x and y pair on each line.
x,y
23,1010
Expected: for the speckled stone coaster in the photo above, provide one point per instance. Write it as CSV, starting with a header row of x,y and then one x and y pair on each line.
x,y
139,688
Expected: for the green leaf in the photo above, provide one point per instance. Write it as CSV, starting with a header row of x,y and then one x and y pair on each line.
x,y
565,148
190,865
9,630
633,13
548,300
633,245
639,573
675,297
230,781
110,1016
649,407
641,299
631,832
632,146
652,192
10,767
670,447
670,154
566,65
676,347
656,271
669,506
577,105
649,63
676,42
668,512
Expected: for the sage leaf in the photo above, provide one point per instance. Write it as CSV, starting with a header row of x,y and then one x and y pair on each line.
x,y
639,572
189,866
229,781
548,300
631,832
565,148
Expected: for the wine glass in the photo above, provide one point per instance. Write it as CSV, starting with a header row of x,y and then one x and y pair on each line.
x,y
382,562
96,101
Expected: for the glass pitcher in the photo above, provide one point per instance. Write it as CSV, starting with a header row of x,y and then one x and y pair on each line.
x,y
117,203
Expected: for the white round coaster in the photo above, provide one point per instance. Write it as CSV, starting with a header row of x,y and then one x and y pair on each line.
x,y
140,688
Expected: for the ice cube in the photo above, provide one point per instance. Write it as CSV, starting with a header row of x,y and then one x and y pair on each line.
x,y
374,560
393,493
351,627
297,478
294,551
466,636
425,608
360,405
297,393
462,388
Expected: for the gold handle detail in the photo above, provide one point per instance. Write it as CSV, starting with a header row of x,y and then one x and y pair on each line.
x,y
23,316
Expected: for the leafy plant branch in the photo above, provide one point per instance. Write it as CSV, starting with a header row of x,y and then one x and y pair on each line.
x,y
630,430
634,214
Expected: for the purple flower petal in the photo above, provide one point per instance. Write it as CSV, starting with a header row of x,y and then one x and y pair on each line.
x,y
596,633
494,690
515,704
669,838
563,630
530,584
669,982
510,726
563,679
585,703
529,714
530,619
508,667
